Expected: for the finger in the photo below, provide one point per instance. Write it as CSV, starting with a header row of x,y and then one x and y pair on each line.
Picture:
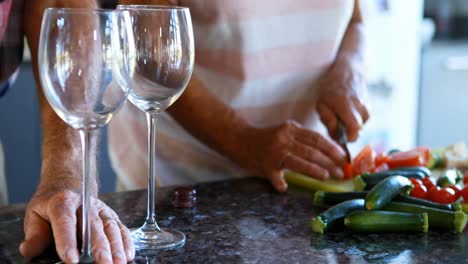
x,y
328,118
278,181
127,242
362,109
100,244
64,227
38,236
352,120
126,237
317,141
317,157
112,231
297,164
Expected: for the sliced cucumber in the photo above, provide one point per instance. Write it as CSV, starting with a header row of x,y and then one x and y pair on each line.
x,y
314,184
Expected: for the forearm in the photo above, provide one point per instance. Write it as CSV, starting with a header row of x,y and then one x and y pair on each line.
x,y
61,151
209,119
353,43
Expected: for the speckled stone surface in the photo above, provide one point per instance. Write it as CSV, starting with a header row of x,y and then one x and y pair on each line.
x,y
246,221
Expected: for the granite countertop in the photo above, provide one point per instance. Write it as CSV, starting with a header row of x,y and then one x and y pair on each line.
x,y
246,221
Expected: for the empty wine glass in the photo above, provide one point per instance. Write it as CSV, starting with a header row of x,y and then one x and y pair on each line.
x,y
158,54
76,61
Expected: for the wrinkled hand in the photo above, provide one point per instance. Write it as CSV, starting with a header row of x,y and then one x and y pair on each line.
x,y
57,215
342,88
268,151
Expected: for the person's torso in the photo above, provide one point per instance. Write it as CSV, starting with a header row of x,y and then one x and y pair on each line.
x,y
260,58
11,41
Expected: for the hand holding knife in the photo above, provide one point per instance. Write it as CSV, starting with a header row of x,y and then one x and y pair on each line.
x,y
342,137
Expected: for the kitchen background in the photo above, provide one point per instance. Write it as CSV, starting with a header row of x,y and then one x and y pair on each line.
x,y
418,81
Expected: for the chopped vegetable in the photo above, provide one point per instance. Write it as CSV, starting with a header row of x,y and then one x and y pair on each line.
x,y
364,161
414,157
348,171
307,182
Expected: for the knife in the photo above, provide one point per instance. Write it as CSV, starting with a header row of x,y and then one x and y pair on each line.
x,y
342,135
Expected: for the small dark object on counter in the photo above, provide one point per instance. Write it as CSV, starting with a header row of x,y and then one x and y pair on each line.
x,y
185,197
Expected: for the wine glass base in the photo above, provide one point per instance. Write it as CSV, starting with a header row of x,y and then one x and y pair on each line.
x,y
148,241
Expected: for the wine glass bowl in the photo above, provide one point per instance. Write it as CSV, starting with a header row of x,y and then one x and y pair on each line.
x,y
76,67
158,57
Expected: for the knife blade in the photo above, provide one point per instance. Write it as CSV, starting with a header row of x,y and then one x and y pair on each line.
x,y
342,136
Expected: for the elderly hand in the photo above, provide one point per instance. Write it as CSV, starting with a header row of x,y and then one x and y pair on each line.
x,y
268,151
342,88
56,215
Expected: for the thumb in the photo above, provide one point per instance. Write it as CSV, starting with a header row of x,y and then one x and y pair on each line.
x,y
38,236
277,180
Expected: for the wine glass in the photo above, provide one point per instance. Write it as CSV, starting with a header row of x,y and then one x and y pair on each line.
x,y
158,53
76,62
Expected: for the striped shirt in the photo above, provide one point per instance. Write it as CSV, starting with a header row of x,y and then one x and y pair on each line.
x,y
11,42
262,59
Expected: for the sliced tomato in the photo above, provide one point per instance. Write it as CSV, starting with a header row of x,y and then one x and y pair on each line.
x,y
425,152
419,191
364,161
382,167
409,158
380,159
348,171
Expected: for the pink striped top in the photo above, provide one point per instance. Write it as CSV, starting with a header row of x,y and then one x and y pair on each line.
x,y
260,58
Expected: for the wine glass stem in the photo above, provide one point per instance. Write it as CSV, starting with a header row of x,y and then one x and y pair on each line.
x,y
87,136
150,223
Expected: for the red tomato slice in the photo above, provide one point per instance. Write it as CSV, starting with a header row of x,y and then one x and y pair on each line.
x,y
425,152
407,159
348,171
364,161
380,159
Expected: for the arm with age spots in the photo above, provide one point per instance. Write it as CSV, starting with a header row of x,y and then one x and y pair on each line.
x,y
265,152
53,211
343,86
